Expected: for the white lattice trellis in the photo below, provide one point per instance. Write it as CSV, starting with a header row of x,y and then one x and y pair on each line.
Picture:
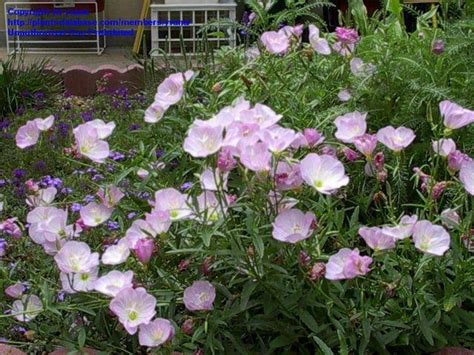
x,y
167,36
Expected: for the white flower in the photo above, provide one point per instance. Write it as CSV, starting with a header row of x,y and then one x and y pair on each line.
x,y
430,238
323,172
116,254
76,257
27,308
114,282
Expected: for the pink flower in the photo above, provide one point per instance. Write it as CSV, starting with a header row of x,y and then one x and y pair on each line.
x,y
256,157
277,138
350,126
350,154
395,139
280,203
114,282
10,228
104,130
76,257
403,230
42,197
344,95
116,254
261,115
213,180
430,238
313,137
347,264
457,159
366,144
444,147
169,92
288,176
203,141
454,115
27,135
450,218
199,296
144,250
209,209
79,282
44,124
110,196
320,45
89,144
344,50
15,291
292,226
376,239
292,31
159,221
94,214
225,160
347,35
27,308
359,68
275,42
466,175
323,172
155,112
133,307
156,333
173,202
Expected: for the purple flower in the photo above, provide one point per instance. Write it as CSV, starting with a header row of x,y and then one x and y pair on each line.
x,y
347,35
76,207
437,47
350,155
89,198
186,186
87,116
19,174
63,129
134,127
98,177
116,156
159,153
131,215
3,183
199,296
3,247
113,226
66,191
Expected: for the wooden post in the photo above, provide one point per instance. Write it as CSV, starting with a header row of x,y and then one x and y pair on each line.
x,y
139,35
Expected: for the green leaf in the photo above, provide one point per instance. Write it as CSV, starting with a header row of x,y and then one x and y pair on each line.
x,y
425,327
322,346
81,339
247,291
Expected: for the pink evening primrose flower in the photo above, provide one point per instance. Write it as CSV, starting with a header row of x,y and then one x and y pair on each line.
x,y
344,95
323,172
27,308
89,144
261,115
80,282
359,68
144,249
256,157
133,307
292,31
454,115
114,282
116,254
27,135
466,175
450,218
15,291
199,296
44,124
444,147
42,197
288,176
76,257
365,144
173,202
403,230
350,126
275,42
430,238
320,45
110,196
277,138
104,130
292,226
344,50
169,92
156,333
159,221
155,112
457,159
203,140
347,264
213,180
376,239
209,209
395,139
94,214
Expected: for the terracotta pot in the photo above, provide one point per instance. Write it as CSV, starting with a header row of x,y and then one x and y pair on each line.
x,y
87,7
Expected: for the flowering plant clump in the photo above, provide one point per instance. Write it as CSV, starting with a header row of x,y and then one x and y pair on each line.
x,y
282,210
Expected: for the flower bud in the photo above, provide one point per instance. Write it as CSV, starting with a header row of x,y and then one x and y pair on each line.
x,y
303,259
317,271
217,88
437,47
144,250
188,327
312,136
184,264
